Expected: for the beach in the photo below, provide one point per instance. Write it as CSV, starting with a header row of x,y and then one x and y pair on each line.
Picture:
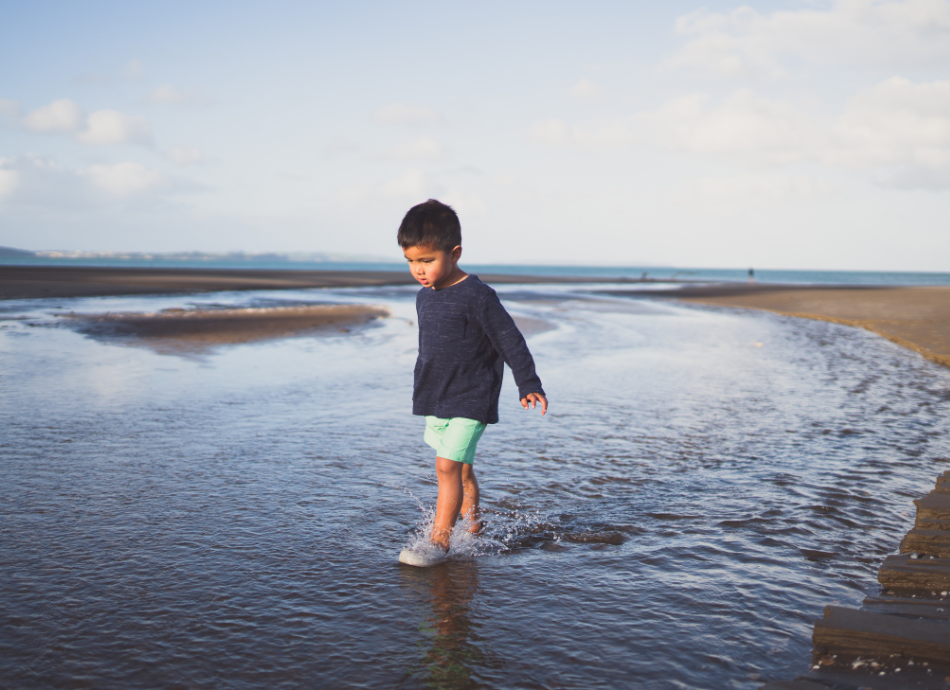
x,y
216,485
915,317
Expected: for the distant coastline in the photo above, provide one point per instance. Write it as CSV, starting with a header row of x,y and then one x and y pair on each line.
x,y
187,257
324,261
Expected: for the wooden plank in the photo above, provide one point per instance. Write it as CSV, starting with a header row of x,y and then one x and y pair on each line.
x,y
938,609
928,523
934,506
861,633
934,542
903,572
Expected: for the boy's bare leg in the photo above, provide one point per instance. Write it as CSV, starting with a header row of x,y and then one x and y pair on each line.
x,y
470,498
449,503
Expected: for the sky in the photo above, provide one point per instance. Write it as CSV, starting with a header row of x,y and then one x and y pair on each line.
x,y
808,135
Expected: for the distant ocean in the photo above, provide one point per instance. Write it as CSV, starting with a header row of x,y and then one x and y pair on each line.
x,y
657,273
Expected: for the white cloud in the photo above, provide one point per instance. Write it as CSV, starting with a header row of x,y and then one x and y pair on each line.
x,y
403,114
898,126
62,115
585,90
553,132
101,127
133,70
182,155
393,197
745,42
411,184
422,149
601,135
123,180
9,109
166,94
743,125
9,179
466,205
113,127
898,122
733,195
37,184
898,131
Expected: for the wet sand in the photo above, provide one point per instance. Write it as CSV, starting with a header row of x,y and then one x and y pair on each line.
x,y
29,282
914,317
198,330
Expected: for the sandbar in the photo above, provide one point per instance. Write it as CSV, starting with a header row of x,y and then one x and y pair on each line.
x,y
198,330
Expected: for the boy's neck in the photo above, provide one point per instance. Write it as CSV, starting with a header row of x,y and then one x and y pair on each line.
x,y
454,278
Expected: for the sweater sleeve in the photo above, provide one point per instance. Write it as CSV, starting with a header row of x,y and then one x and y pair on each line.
x,y
510,344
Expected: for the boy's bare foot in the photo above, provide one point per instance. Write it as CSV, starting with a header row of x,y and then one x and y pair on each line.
x,y
440,538
477,527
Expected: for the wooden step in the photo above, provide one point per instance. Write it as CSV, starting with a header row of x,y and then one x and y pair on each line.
x,y
928,523
934,506
907,606
903,572
934,542
861,633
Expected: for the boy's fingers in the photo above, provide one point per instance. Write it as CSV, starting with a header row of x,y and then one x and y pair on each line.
x,y
544,406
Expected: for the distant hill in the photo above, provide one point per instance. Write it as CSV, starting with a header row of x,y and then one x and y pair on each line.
x,y
189,257
11,253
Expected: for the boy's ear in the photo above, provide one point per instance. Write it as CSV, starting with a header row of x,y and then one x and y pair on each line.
x,y
457,253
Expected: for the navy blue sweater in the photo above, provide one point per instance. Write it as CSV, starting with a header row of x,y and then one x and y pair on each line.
x,y
465,339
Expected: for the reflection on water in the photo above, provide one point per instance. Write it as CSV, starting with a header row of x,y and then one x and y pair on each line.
x,y
704,483
449,637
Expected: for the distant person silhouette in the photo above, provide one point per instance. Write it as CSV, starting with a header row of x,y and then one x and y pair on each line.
x,y
751,276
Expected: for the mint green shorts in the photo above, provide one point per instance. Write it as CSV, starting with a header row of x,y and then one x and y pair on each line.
x,y
454,438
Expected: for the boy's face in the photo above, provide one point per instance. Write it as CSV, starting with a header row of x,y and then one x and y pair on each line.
x,y
433,268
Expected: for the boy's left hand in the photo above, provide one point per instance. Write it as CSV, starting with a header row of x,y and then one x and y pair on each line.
x,y
534,399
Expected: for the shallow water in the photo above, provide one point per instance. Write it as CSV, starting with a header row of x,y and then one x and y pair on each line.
x,y
705,482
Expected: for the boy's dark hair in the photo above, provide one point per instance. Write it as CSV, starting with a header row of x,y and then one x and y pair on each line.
x,y
430,224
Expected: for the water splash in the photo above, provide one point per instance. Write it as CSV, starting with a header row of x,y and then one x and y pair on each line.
x,y
502,530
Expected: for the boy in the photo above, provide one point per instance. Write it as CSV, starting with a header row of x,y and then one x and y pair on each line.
x,y
465,339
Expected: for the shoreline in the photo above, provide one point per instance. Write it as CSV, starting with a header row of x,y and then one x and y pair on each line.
x,y
917,318
37,282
